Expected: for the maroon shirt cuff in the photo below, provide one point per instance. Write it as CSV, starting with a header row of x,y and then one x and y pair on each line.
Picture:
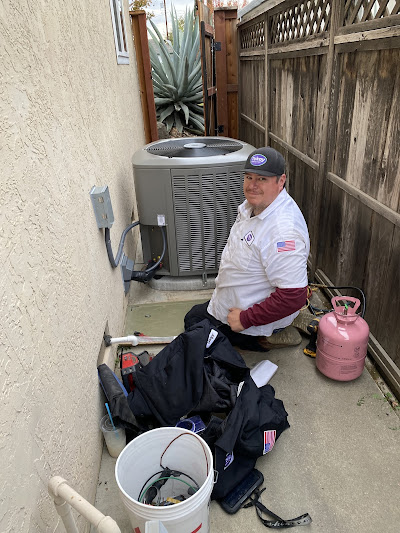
x,y
281,303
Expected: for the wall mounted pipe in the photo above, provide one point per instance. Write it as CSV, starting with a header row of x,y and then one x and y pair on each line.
x,y
66,497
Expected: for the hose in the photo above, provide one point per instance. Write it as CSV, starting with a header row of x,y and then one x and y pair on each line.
x,y
115,262
144,276
364,305
137,275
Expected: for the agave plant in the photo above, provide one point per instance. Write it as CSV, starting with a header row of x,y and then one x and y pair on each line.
x,y
176,73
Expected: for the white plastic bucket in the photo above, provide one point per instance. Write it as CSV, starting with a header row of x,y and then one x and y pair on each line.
x,y
140,460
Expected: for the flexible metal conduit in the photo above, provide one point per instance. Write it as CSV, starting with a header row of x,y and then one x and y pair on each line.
x,y
115,262
65,497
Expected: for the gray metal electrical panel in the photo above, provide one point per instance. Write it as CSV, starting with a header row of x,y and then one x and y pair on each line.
x,y
101,202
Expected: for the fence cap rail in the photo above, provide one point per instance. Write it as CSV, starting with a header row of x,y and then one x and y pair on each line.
x,y
259,7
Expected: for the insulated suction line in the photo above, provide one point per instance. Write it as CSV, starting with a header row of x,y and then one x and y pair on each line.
x,y
322,286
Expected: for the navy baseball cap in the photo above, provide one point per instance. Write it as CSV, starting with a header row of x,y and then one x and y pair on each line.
x,y
265,161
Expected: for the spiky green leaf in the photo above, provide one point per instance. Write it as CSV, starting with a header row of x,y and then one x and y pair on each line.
x,y
186,112
166,112
176,74
161,101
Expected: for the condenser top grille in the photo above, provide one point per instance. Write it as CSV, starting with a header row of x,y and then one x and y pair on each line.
x,y
189,148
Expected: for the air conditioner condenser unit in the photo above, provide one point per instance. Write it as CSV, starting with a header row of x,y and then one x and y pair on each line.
x,y
194,184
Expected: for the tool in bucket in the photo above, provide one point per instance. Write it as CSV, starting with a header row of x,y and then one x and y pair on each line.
x,y
150,491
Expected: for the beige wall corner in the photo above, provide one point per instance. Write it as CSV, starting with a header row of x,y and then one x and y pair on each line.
x,y
70,118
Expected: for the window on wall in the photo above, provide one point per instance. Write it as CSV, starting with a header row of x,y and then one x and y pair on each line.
x,y
118,22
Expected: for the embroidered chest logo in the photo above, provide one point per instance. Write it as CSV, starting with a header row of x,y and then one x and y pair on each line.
x,y
249,238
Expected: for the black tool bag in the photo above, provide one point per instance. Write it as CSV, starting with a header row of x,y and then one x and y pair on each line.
x,y
250,431
117,398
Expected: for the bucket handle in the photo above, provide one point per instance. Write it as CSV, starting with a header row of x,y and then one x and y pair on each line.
x,y
216,474
190,433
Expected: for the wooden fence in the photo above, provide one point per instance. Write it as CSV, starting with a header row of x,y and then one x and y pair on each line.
x,y
225,19
139,31
320,81
219,53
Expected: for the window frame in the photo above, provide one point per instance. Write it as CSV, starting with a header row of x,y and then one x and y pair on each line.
x,y
119,29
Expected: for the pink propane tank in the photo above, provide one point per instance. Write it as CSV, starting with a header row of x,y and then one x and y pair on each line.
x,y
342,341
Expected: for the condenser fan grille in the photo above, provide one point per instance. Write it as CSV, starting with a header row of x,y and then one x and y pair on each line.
x,y
205,209
197,147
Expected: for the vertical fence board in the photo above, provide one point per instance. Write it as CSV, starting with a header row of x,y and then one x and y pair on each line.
x,y
251,102
221,70
252,135
301,186
226,65
388,326
377,273
370,101
139,30
232,75
208,70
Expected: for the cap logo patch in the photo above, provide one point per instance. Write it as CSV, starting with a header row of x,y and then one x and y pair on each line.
x,y
257,160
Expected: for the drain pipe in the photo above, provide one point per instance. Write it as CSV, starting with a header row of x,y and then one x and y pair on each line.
x,y
66,497
133,340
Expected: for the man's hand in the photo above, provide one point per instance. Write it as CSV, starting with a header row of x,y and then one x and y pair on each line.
x,y
234,319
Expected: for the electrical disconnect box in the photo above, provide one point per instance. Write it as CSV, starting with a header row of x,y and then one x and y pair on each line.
x,y
101,202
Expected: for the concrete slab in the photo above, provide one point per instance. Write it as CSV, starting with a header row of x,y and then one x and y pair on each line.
x,y
339,460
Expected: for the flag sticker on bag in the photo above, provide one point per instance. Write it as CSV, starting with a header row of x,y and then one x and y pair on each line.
x,y
286,246
269,440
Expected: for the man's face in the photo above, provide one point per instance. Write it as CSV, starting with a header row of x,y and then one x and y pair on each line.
x,y
261,191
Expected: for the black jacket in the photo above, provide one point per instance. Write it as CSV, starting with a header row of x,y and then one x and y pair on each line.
x,y
242,434
198,372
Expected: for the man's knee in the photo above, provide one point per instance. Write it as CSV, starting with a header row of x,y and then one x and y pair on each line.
x,y
196,314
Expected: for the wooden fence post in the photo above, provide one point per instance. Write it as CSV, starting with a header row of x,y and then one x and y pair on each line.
x,y
139,30
227,71
267,81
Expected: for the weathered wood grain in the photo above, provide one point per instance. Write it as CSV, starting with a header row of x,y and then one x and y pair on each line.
x,y
388,327
376,273
367,147
334,113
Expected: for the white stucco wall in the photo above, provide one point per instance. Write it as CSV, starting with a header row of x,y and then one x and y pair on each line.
x,y
70,118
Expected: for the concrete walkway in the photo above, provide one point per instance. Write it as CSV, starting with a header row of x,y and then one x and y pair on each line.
x,y
339,460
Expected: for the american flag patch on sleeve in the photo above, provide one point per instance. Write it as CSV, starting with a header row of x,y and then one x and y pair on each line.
x,y
269,440
286,246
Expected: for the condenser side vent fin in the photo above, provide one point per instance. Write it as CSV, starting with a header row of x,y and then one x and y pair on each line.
x,y
205,207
